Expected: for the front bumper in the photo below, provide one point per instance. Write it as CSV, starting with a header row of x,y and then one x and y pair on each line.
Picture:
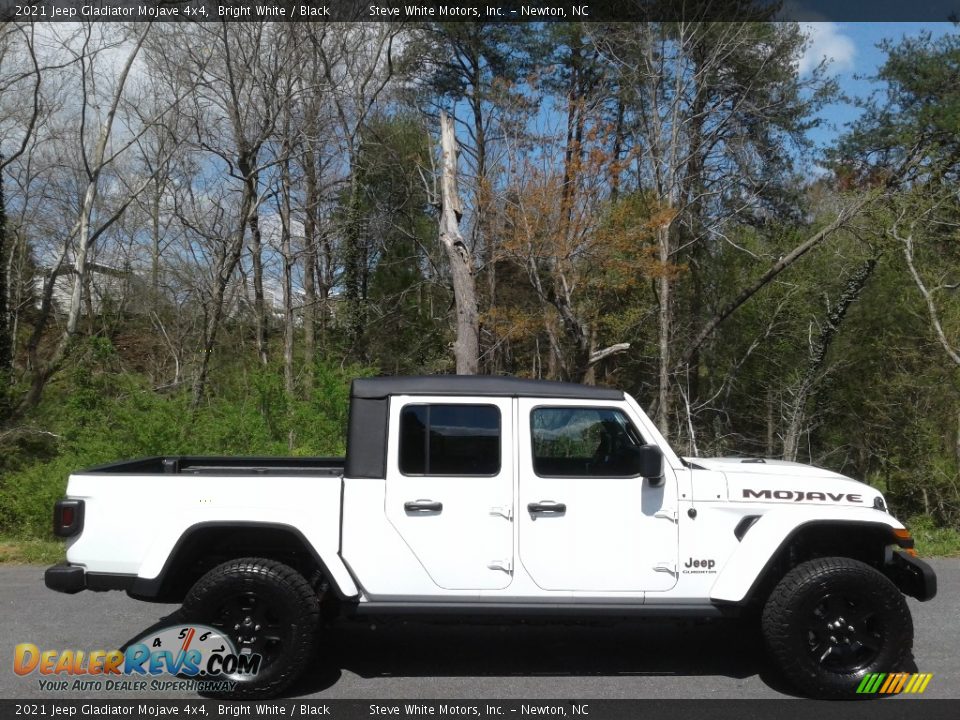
x,y
70,579
912,575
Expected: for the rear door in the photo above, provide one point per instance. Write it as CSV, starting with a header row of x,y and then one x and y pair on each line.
x,y
450,487
587,521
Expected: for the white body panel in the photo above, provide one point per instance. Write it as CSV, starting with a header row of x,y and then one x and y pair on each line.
x,y
621,540
133,522
468,544
617,534
749,559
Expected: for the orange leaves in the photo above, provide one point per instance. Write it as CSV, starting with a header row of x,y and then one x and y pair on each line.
x,y
512,323
628,238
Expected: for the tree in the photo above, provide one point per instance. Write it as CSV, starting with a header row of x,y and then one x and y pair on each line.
x,y
912,122
99,155
709,107
402,334
466,348
6,342
482,66
358,67
16,41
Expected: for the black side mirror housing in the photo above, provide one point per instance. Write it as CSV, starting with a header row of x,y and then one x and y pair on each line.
x,y
650,463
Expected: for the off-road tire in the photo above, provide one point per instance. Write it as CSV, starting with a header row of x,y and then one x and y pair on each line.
x,y
279,593
796,629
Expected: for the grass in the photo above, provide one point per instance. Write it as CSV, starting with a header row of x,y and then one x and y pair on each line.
x,y
933,541
30,552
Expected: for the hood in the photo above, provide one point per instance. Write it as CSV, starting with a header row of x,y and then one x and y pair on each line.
x,y
756,466
780,481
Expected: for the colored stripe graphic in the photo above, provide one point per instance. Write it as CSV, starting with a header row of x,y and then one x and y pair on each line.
x,y
894,683
886,685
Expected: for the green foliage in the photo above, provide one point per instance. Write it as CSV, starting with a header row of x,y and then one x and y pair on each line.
x,y
933,540
100,414
387,252
915,115
404,336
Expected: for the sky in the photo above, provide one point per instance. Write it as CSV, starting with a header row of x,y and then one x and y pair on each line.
x,y
854,57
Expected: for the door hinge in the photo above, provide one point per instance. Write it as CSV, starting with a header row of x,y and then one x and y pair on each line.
x,y
671,515
503,565
504,511
670,567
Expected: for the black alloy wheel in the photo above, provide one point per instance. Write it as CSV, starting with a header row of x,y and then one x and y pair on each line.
x,y
845,634
830,621
266,608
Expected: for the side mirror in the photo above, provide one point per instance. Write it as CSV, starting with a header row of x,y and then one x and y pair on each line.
x,y
650,463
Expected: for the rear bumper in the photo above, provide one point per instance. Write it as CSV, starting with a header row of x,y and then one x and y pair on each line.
x,y
913,576
70,579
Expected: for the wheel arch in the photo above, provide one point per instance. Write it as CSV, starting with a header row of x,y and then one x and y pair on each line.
x,y
775,544
204,545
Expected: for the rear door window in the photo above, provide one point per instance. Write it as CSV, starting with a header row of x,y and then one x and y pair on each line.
x,y
440,439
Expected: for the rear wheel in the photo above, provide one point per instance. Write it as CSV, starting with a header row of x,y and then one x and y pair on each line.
x,y
831,621
266,608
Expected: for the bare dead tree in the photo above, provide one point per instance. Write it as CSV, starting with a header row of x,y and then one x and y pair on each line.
x,y
466,347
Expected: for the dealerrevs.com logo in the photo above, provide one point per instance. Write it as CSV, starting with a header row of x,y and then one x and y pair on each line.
x,y
202,657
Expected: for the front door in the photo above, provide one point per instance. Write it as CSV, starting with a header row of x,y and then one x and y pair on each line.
x,y
450,488
587,522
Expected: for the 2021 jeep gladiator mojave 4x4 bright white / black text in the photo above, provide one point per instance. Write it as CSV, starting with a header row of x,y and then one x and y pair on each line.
x,y
505,497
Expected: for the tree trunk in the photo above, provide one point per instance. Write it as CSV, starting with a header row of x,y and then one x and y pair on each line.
x,y
256,254
956,446
6,345
288,260
353,271
664,324
466,348
310,264
771,425
155,241
227,266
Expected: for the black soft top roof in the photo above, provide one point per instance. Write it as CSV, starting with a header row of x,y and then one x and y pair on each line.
x,y
382,387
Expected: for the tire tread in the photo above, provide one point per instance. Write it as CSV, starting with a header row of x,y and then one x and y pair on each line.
x,y
780,616
306,602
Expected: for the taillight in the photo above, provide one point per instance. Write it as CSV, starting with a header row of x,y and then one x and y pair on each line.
x,y
67,518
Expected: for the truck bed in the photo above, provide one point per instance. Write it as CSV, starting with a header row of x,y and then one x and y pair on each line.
x,y
212,465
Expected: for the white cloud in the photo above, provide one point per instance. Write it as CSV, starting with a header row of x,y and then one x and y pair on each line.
x,y
826,40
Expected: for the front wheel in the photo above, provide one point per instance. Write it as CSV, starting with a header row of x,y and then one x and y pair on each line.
x,y
265,608
830,621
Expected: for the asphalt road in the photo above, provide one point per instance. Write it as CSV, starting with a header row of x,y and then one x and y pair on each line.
x,y
410,660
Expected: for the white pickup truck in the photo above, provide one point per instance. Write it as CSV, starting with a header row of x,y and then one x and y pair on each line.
x,y
507,497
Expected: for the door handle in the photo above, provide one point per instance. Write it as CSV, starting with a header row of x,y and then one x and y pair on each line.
x,y
547,506
422,506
